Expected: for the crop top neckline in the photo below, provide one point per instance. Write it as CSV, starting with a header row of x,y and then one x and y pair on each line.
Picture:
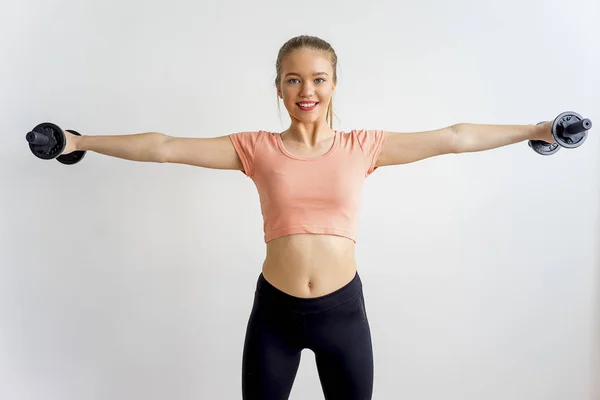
x,y
309,159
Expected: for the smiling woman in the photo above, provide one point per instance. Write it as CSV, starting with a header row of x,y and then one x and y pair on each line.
x,y
307,58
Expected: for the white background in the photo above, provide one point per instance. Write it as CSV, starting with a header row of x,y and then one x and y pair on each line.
x,y
123,280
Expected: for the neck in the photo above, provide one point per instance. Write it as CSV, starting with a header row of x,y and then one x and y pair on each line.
x,y
309,134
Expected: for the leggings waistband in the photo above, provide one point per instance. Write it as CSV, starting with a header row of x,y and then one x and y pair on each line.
x,y
308,305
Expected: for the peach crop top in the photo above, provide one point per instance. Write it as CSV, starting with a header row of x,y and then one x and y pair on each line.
x,y
319,195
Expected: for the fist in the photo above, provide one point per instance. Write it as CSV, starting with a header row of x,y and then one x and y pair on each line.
x,y
544,132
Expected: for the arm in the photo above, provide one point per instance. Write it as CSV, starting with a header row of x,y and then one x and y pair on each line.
x,y
478,137
216,152
402,148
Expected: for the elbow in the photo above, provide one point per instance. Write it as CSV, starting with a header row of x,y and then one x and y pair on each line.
x,y
161,149
457,144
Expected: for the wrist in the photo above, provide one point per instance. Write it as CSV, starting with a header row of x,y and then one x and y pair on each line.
x,y
543,132
77,145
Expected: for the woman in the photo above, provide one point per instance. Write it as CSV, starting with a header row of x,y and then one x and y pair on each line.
x,y
309,178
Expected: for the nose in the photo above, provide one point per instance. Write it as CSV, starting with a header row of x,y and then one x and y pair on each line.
x,y
307,91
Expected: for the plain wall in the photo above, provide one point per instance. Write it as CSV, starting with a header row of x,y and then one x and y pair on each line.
x,y
123,280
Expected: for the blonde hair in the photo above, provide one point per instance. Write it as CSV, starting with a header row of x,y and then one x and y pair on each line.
x,y
313,43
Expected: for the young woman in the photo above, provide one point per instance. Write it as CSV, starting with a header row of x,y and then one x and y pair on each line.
x,y
309,178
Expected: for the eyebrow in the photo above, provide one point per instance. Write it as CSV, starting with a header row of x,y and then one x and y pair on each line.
x,y
315,74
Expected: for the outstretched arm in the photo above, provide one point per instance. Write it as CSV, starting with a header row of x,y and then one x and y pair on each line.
x,y
213,152
478,137
403,148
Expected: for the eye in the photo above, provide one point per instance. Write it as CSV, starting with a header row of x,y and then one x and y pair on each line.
x,y
293,79
320,79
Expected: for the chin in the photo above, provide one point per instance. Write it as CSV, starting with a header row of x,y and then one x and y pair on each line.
x,y
309,119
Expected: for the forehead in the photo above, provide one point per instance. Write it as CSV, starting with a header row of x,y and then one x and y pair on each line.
x,y
306,61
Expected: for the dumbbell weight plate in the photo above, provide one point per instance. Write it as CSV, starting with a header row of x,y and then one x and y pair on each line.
x,y
55,145
544,148
73,157
569,142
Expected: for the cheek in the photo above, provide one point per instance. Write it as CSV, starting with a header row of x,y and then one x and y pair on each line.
x,y
289,100
325,91
288,94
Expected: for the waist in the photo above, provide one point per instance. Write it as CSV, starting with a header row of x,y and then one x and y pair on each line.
x,y
309,265
280,299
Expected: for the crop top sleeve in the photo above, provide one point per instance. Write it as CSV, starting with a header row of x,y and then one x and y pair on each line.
x,y
245,144
371,142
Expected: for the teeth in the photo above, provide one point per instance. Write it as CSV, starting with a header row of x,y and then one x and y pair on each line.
x,y
307,105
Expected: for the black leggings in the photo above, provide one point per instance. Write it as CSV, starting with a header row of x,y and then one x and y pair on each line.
x,y
333,326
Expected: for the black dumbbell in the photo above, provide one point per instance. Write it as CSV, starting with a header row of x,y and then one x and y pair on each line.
x,y
569,130
47,141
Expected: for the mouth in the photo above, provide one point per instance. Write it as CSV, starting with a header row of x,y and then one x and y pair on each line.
x,y
307,106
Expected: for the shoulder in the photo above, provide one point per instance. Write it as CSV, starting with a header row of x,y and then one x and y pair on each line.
x,y
250,139
367,142
246,144
248,135
368,139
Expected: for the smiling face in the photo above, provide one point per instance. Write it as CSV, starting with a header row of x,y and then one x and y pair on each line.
x,y
307,85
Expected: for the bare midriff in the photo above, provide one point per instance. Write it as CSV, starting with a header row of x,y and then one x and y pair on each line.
x,y
309,265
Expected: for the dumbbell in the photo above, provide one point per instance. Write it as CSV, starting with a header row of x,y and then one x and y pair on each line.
x,y
47,141
569,130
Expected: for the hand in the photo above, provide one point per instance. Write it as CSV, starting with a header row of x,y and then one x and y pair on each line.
x,y
544,132
71,142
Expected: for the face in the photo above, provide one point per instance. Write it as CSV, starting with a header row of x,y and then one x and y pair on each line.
x,y
306,85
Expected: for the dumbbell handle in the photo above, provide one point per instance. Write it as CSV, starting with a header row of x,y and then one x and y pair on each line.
x,y
578,127
37,138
